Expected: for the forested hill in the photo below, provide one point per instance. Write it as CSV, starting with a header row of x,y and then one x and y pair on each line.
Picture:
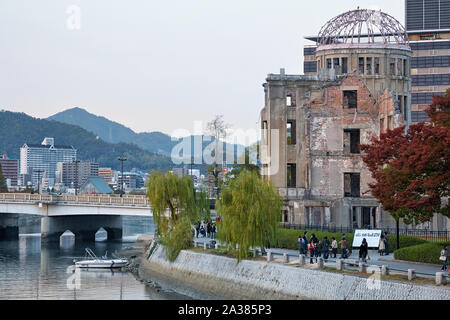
x,y
114,132
19,128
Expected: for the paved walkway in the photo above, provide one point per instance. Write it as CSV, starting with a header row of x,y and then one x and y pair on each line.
x,y
396,266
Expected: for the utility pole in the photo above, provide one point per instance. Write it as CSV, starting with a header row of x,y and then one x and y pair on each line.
x,y
39,171
122,159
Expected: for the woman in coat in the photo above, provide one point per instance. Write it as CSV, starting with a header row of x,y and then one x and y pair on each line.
x,y
381,245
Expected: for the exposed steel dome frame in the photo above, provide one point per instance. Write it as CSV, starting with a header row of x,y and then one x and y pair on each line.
x,y
363,26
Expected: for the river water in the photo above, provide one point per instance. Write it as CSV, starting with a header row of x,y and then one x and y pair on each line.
x,y
29,270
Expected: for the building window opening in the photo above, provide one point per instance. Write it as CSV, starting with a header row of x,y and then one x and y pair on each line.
x,y
365,217
291,175
350,98
336,63
405,69
264,132
374,217
392,67
344,65
285,216
352,185
328,63
290,99
361,65
290,132
351,140
354,220
315,213
377,65
369,66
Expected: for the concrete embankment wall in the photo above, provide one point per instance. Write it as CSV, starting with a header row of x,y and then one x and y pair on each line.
x,y
221,276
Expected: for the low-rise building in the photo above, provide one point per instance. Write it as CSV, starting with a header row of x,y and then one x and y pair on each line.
x,y
95,185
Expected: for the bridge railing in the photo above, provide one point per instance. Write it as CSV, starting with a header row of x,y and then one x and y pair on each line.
x,y
129,200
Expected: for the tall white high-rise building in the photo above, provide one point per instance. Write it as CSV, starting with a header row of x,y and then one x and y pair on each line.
x,y
44,156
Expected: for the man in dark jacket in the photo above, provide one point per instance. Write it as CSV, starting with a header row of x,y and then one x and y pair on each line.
x,y
363,250
386,243
325,247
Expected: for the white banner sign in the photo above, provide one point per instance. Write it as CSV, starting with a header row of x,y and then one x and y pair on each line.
x,y
372,238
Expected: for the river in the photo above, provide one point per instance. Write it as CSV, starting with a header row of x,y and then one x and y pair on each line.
x,y
29,270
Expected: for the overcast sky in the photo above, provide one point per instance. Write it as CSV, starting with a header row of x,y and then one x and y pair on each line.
x,y
156,65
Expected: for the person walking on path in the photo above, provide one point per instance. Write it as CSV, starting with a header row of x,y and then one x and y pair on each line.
x,y
334,246
325,247
208,229
386,243
363,250
343,244
300,244
444,256
313,242
213,231
202,231
305,242
381,245
198,228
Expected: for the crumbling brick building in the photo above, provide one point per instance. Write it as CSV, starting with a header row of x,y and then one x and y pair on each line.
x,y
313,124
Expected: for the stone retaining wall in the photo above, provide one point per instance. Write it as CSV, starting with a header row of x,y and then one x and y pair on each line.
x,y
221,276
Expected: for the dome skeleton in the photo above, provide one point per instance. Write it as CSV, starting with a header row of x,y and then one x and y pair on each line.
x,y
349,26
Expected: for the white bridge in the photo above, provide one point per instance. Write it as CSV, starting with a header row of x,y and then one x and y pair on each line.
x,y
82,214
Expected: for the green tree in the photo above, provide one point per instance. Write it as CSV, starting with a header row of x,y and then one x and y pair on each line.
x,y
250,208
3,186
176,208
245,162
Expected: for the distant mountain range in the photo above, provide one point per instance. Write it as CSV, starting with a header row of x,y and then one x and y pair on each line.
x,y
113,132
96,138
19,128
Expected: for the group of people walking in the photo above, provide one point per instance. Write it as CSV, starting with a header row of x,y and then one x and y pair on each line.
x,y
326,248
206,230
318,248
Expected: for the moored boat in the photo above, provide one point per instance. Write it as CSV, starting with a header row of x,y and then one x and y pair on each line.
x,y
92,261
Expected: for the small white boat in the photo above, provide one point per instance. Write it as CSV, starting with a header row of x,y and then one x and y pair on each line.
x,y
92,261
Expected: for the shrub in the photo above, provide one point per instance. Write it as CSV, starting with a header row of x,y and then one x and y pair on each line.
x,y
427,253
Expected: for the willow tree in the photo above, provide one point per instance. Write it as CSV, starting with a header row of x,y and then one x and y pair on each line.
x,y
176,207
250,209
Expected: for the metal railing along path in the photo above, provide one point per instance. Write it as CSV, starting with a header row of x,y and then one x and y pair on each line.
x,y
430,235
129,200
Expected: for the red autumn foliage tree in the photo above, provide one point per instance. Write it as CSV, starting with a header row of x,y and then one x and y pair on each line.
x,y
411,170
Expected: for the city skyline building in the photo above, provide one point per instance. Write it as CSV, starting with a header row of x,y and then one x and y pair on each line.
x,y
74,174
428,27
131,180
10,170
44,156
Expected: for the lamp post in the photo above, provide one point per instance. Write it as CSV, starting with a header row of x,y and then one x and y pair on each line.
x,y
76,175
122,159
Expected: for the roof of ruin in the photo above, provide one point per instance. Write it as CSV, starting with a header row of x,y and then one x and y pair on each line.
x,y
363,27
